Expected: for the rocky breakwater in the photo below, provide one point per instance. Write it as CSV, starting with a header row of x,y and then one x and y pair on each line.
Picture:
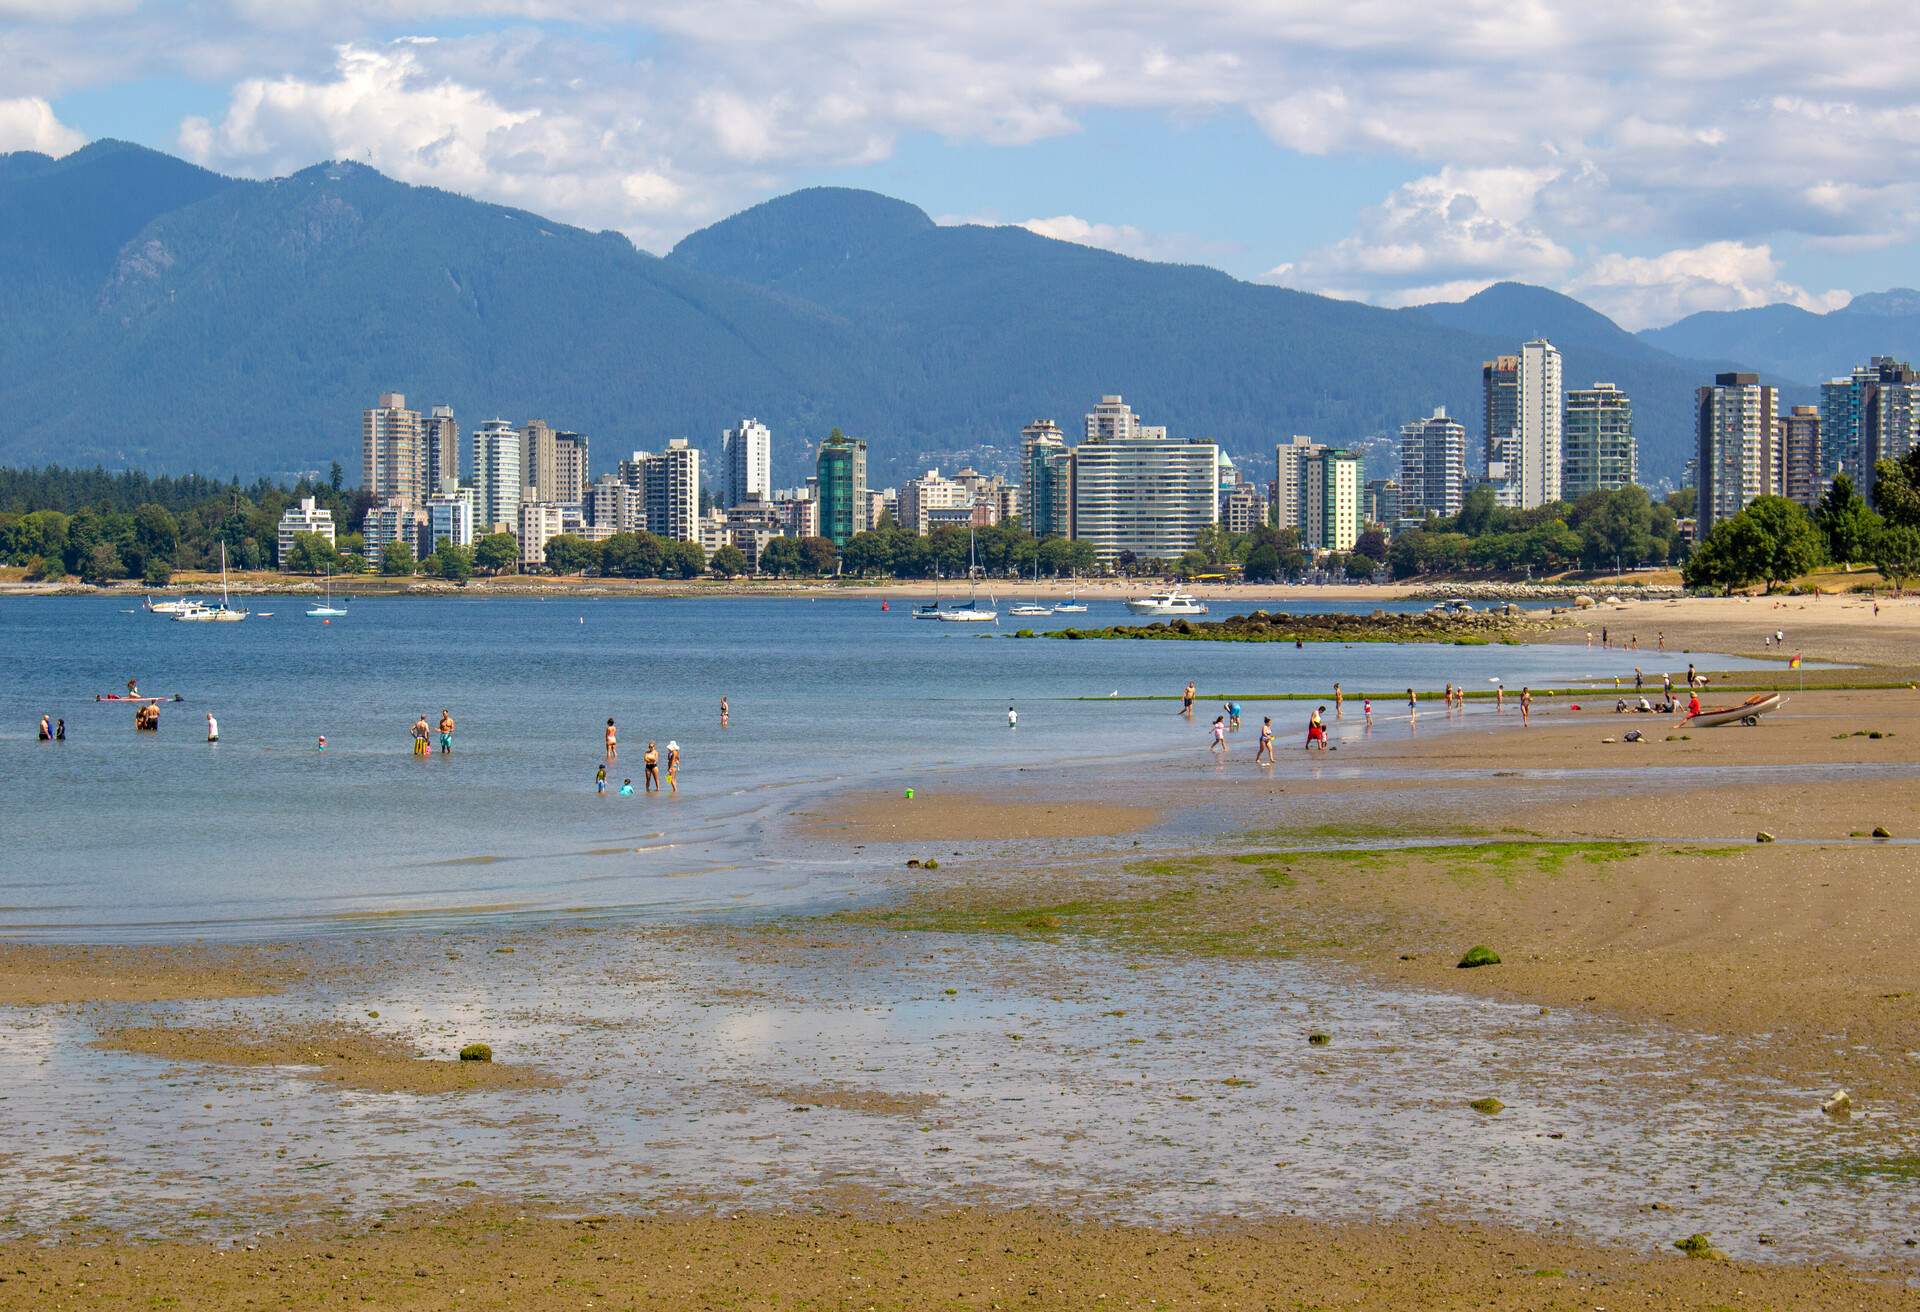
x,y
1466,628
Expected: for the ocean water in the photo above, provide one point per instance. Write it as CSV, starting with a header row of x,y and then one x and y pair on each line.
x,y
118,835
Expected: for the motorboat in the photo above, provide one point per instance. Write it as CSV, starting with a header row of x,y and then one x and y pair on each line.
x,y
224,613
1171,602
170,607
1029,608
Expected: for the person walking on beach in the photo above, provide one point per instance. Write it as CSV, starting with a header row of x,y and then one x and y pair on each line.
x,y
46,728
1446,697
1526,705
213,728
1666,683
1339,700
673,766
1690,675
1366,709
723,712
446,732
600,781
1266,741
1660,639
613,741
1317,730
1013,718
1413,705
1603,635
1219,735
1499,697
1186,700
651,760
1639,680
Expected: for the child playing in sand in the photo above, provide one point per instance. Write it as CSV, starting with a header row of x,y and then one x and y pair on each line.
x,y
1266,741
1219,735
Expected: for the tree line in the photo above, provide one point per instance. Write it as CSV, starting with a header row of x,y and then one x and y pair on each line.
x,y
1774,540
1600,530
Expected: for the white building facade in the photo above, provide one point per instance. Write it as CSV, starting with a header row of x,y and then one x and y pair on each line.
x,y
307,517
496,477
747,452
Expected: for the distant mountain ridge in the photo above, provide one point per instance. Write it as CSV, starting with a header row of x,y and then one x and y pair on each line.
x,y
1789,342
173,319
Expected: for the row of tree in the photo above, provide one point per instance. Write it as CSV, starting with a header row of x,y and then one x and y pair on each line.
x,y
1775,541
1599,531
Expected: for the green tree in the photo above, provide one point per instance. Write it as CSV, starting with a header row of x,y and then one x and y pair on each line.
x,y
867,554
1896,489
451,562
496,552
781,557
310,553
729,562
156,531
569,553
1771,541
1478,513
816,555
102,564
396,558
1372,544
158,572
1619,529
1793,544
40,533
682,560
1844,521
84,533
1895,552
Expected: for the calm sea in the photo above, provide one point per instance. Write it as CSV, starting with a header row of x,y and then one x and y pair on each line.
x,y
115,834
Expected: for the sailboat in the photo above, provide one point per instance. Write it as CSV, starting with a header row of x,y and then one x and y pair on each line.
x,y
329,610
973,612
224,613
1025,608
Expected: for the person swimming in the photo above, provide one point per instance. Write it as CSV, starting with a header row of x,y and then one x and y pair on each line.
x,y
626,788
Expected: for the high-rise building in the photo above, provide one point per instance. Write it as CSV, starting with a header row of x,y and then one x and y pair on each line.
x,y
1330,481
1113,420
307,517
572,468
440,450
1889,413
1538,441
391,463
1799,454
390,521
1046,466
1144,494
539,460
540,523
747,450
449,519
668,483
1243,508
497,467
1380,503
1499,414
1287,459
1736,427
1841,448
1433,468
929,492
842,474
1597,443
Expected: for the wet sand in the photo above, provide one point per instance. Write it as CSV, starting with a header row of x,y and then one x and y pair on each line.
x,y
37,975
1839,628
940,816
344,1055
497,1257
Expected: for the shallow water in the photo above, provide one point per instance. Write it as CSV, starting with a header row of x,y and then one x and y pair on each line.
x,y
117,835
1062,1076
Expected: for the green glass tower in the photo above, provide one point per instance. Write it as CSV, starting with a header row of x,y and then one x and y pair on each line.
x,y
842,474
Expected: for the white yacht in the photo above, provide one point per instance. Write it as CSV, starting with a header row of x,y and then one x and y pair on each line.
x,y
224,613
1171,602
172,607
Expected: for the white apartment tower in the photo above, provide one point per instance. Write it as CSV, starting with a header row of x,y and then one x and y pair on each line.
x,y
747,450
539,461
572,468
1330,500
1737,425
307,517
1537,443
391,459
669,485
497,469
1289,456
1433,467
1113,420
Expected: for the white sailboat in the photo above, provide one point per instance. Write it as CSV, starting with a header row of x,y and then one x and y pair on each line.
x,y
329,610
1071,606
973,612
1027,608
224,613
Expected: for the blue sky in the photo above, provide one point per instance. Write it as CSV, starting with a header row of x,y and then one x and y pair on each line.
x,y
1649,161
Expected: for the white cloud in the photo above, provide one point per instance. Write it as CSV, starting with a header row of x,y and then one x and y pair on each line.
x,y
1456,229
1642,291
1677,125
1126,239
29,123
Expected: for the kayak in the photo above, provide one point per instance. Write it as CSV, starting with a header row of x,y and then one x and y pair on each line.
x,y
125,697
1747,712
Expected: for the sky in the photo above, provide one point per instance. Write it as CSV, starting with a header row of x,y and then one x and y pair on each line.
x,y
1652,159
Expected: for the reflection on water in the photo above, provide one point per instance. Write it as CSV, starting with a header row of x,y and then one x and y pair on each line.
x,y
1149,1090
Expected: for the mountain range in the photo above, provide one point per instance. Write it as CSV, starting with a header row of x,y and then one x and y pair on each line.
x,y
165,317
